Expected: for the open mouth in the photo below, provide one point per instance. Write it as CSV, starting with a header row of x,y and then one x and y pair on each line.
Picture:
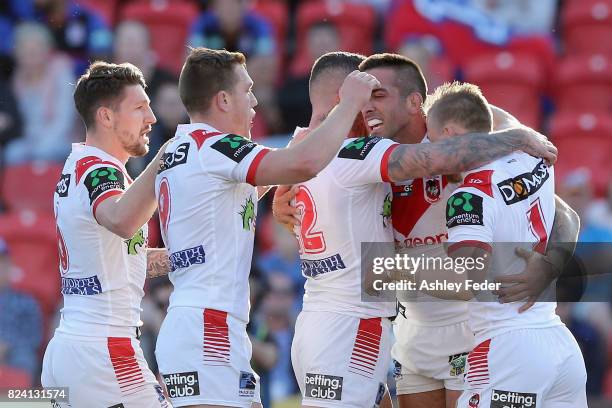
x,y
375,124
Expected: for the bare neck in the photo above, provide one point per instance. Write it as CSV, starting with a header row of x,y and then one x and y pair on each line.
x,y
219,122
107,142
413,132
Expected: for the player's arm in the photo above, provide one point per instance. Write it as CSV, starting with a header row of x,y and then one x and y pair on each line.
x,y
459,154
502,119
123,214
158,262
542,269
302,161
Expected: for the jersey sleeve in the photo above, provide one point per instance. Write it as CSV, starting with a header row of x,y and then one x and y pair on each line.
x,y
99,180
471,213
364,161
233,158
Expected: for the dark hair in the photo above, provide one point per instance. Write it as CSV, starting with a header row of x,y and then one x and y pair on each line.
x,y
408,75
102,85
461,103
204,74
339,60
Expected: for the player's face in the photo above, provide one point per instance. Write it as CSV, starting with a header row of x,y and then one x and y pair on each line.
x,y
133,119
386,113
243,102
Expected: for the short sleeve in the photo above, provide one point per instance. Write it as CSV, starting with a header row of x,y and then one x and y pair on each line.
x,y
100,181
364,161
471,213
233,158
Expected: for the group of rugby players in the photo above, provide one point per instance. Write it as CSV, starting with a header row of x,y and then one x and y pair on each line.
x,y
367,169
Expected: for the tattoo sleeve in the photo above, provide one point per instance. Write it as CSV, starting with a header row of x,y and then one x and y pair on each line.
x,y
563,236
158,262
453,155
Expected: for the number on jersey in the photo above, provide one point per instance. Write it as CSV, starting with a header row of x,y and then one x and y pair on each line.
x,y
311,241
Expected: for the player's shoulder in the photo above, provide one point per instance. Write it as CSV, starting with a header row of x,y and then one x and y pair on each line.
x,y
358,148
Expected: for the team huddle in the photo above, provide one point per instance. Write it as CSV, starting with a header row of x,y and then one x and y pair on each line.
x,y
381,161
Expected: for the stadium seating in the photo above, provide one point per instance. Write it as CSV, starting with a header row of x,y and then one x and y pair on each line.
x,y
587,26
32,242
11,377
356,24
165,20
584,140
30,186
585,82
107,9
512,81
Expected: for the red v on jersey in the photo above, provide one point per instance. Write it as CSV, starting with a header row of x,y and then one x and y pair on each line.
x,y
407,211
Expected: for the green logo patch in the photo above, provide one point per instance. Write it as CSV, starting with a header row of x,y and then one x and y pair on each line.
x,y
233,146
248,215
464,209
137,241
386,211
102,180
457,364
359,148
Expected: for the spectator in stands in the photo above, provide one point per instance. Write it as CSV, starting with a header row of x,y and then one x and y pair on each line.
x,y
42,85
427,52
20,322
229,24
133,44
11,12
170,112
524,17
10,119
599,214
322,37
77,30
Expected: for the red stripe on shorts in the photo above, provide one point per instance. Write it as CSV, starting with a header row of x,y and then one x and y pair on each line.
x,y
127,371
216,338
478,365
366,349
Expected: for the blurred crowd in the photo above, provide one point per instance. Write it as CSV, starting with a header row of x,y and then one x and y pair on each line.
x,y
547,61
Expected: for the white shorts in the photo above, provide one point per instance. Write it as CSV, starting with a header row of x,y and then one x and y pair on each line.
x,y
339,360
101,372
204,357
526,368
429,358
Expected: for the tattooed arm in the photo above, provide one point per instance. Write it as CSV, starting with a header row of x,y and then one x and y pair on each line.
x,y
458,154
158,263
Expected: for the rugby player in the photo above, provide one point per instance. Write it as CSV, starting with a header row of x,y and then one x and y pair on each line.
x,y
102,239
341,346
207,196
521,359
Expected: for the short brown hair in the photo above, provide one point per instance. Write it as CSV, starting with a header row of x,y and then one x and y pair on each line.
x,y
409,77
205,73
462,103
102,85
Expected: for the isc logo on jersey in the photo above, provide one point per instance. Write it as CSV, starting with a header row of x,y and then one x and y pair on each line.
x,y
182,384
172,159
62,186
522,186
323,386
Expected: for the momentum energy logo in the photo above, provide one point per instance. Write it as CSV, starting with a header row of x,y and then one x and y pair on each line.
x,y
321,386
511,399
233,146
522,186
464,209
359,148
182,384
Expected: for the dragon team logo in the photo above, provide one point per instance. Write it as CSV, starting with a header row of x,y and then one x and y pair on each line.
x,y
137,241
63,252
248,215
432,189
386,211
164,207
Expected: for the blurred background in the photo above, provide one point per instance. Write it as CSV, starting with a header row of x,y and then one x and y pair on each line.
x,y
548,62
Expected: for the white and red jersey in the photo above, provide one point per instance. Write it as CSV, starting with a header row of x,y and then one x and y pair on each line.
x,y
418,219
207,206
509,200
347,203
102,274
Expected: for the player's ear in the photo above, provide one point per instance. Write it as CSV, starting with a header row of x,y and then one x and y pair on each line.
x,y
414,103
223,101
105,117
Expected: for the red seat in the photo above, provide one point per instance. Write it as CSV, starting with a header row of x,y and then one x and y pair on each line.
x,y
584,82
512,81
584,140
355,23
106,9
169,24
30,186
32,241
587,26
11,377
